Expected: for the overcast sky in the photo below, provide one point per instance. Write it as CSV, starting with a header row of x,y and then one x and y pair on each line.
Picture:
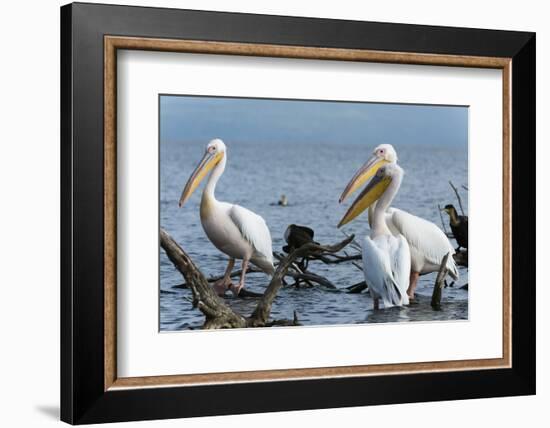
x,y
190,118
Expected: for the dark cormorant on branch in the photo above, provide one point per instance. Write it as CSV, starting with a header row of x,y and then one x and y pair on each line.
x,y
459,226
296,236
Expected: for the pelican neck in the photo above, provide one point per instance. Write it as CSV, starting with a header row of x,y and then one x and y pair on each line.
x,y
217,171
378,222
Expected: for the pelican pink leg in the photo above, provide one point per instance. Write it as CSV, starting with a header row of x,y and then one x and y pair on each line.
x,y
413,280
236,289
224,283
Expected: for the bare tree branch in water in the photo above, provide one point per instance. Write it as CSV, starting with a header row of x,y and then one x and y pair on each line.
x,y
457,197
440,283
220,315
460,257
298,271
261,313
309,278
448,234
354,243
334,259
217,313
357,288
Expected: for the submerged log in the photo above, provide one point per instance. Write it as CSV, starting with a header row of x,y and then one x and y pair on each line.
x,y
220,315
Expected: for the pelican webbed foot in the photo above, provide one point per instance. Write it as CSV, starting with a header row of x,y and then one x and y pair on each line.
x,y
221,285
236,289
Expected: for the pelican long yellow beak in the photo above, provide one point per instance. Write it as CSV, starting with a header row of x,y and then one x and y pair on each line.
x,y
208,162
362,175
376,187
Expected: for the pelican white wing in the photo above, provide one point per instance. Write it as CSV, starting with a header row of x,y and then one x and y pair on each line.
x,y
386,262
428,244
401,267
255,231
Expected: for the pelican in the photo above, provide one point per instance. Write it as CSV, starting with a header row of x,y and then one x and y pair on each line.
x,y
428,244
386,257
234,230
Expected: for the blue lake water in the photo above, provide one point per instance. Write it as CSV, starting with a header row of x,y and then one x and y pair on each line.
x,y
312,176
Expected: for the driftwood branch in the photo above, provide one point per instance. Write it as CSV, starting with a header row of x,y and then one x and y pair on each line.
x,y
457,196
357,288
442,221
283,323
334,259
310,278
440,283
236,273
295,272
220,315
217,313
358,266
354,243
260,315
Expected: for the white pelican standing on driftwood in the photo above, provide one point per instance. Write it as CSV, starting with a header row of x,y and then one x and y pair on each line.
x,y
386,258
427,242
234,230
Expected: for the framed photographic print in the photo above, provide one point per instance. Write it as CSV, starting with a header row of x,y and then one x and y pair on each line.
x,y
279,211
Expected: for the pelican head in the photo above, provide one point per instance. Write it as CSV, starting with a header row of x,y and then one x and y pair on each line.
x,y
382,155
213,154
383,177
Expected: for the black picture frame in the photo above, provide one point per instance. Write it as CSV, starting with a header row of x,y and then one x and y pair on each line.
x,y
83,399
